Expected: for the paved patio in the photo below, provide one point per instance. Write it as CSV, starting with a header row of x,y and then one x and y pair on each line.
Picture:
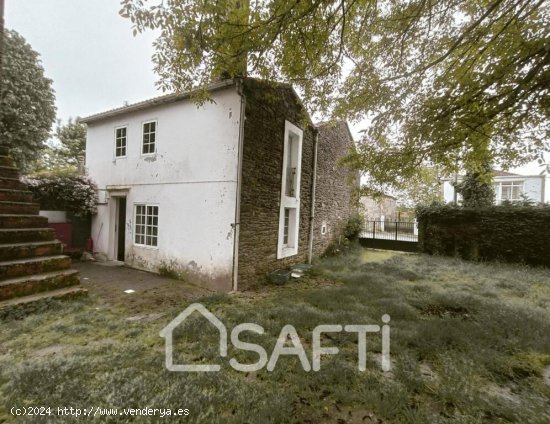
x,y
109,282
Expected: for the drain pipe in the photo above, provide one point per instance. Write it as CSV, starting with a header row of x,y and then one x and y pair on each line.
x,y
312,213
237,224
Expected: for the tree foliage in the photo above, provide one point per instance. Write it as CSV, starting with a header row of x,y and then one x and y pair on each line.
x,y
444,83
477,189
64,151
72,136
423,188
27,101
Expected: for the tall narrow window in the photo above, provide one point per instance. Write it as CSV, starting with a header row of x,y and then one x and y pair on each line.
x,y
285,232
291,164
290,192
149,137
120,142
146,225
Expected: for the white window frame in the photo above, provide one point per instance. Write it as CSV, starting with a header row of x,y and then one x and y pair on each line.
x,y
141,144
146,205
126,147
513,183
287,202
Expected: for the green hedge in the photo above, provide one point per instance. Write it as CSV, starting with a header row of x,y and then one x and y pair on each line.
x,y
503,233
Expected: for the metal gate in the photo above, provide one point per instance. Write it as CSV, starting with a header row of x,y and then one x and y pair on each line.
x,y
391,235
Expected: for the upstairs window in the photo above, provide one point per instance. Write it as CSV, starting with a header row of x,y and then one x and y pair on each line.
x,y
292,164
120,142
149,137
146,225
289,213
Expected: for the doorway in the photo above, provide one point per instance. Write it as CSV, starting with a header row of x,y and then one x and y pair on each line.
x,y
120,228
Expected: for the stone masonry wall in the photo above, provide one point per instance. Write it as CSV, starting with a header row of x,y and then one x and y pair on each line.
x,y
333,192
268,105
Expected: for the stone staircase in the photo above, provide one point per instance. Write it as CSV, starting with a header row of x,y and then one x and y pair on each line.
x,y
32,264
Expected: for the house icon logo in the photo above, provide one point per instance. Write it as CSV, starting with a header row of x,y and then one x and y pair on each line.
x,y
167,334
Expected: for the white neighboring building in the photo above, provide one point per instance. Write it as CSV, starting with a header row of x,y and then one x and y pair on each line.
x,y
508,187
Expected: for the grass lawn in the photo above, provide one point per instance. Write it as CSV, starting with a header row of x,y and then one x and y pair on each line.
x,y
469,344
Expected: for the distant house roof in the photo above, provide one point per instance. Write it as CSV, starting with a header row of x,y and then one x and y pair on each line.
x,y
498,173
155,101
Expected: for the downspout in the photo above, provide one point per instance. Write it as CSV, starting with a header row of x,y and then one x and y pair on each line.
x,y
313,185
236,224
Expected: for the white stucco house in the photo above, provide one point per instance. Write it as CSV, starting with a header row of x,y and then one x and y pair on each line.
x,y
226,191
508,187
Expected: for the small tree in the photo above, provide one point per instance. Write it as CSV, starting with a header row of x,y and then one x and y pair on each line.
x,y
73,140
27,101
476,189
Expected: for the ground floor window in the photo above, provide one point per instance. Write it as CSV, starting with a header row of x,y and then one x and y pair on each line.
x,y
146,225
510,191
289,237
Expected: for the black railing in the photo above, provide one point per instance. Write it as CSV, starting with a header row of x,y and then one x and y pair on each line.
x,y
390,230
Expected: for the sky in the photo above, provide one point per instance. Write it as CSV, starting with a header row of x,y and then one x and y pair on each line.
x,y
88,51
95,62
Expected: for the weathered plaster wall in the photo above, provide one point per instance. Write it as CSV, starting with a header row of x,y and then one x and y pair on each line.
x,y
333,192
533,189
267,108
192,178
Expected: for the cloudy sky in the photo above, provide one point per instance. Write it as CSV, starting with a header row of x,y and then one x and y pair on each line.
x,y
89,52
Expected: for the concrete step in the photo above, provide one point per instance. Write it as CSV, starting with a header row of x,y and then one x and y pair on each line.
x,y
64,293
9,172
15,195
30,250
33,284
22,235
16,208
12,183
23,221
6,161
29,266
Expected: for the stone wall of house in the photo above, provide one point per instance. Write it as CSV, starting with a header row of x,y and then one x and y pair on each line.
x,y
334,187
267,107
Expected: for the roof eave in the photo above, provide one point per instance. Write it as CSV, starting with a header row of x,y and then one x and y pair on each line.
x,y
157,101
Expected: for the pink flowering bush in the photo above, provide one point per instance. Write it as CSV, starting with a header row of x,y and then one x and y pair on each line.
x,y
76,194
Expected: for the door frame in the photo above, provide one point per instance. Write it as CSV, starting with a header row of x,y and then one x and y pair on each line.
x,y
114,197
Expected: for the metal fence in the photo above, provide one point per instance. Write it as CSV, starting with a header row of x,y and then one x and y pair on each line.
x,y
390,230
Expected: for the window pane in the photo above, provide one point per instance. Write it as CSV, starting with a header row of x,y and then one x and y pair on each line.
x,y
285,230
146,227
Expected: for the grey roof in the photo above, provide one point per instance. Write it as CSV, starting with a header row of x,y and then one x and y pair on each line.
x,y
155,101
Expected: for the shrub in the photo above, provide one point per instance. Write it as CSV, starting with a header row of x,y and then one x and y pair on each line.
x,y
510,233
349,236
76,194
476,190
353,227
